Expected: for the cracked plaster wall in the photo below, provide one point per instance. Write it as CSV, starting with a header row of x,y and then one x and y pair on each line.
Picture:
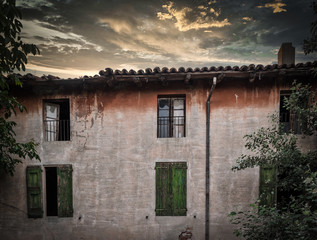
x,y
113,150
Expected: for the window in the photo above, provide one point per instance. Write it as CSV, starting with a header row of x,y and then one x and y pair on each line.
x,y
56,120
59,193
171,116
171,188
267,185
288,119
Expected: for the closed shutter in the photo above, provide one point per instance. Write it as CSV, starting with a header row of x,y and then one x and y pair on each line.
x,y
267,185
163,196
65,191
178,171
34,191
171,189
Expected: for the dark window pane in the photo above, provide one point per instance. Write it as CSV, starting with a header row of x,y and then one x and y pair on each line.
x,y
51,191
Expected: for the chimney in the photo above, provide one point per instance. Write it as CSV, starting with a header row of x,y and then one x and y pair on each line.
x,y
286,54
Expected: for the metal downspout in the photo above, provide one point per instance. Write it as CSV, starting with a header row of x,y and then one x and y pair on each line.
x,y
207,156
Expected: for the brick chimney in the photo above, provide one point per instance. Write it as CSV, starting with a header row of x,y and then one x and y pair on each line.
x,y
286,54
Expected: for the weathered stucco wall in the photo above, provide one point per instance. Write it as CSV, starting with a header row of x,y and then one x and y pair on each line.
x,y
113,150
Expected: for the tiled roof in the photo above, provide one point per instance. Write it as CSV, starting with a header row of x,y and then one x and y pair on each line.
x,y
244,68
111,77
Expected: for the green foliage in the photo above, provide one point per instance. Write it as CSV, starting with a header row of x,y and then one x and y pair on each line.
x,y
303,105
310,45
13,56
294,216
13,51
262,222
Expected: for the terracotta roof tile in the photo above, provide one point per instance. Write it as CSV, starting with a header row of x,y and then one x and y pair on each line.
x,y
109,71
164,70
156,70
148,71
235,68
274,66
259,67
228,68
189,69
181,69
140,72
132,72
251,67
243,68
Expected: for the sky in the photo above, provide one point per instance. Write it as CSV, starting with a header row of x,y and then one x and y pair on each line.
x,y
81,37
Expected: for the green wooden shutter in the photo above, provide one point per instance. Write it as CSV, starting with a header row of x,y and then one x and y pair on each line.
x,y
34,191
65,191
163,198
178,171
267,185
170,189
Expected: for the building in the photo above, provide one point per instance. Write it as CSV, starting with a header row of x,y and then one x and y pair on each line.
x,y
123,153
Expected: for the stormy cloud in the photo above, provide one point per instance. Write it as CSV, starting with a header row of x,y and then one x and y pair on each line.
x,y
79,37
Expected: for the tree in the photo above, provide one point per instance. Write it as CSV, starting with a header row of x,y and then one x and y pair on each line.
x,y
310,45
294,214
13,57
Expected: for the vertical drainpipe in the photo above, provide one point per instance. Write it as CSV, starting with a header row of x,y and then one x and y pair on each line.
x,y
207,156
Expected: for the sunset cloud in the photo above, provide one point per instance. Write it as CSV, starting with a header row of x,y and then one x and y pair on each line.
x,y
56,37
118,25
248,19
277,6
185,18
80,37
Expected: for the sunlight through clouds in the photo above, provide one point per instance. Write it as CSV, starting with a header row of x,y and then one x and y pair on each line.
x,y
246,19
81,36
66,72
277,6
57,38
119,26
202,20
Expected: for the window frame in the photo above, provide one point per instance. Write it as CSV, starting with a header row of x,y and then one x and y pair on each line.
x,y
292,125
61,129
171,125
64,196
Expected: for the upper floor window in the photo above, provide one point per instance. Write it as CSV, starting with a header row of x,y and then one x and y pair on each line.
x,y
171,116
288,119
56,120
